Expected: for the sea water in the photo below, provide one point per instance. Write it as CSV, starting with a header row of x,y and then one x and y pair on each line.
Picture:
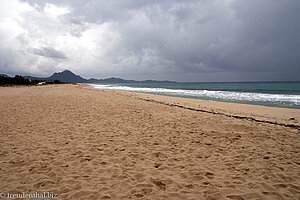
x,y
277,94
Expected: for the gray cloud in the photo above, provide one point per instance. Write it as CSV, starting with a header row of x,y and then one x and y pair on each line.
x,y
192,40
48,52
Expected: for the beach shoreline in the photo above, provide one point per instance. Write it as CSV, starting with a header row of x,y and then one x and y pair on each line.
x,y
84,143
264,94
276,115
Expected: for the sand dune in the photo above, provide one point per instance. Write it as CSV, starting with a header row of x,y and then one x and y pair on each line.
x,y
82,143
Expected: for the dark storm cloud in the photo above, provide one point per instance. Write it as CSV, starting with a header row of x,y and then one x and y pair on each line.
x,y
190,40
48,52
267,36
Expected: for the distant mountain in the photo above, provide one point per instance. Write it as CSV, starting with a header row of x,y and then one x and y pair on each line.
x,y
154,81
119,80
65,76
4,75
110,80
36,78
69,77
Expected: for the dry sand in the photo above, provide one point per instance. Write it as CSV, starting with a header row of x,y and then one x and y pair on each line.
x,y
83,143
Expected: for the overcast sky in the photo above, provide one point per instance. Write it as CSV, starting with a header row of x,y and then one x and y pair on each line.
x,y
181,40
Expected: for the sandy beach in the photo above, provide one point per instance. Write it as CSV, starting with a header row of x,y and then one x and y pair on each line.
x,y
83,143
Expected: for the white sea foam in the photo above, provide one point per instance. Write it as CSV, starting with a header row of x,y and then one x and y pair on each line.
x,y
283,99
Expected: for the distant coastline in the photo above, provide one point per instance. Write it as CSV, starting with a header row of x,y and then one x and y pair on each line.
x,y
276,94
67,76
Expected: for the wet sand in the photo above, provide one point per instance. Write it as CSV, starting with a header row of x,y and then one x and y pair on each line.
x,y
82,143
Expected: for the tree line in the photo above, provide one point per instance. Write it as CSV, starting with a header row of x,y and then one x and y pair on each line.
x,y
20,80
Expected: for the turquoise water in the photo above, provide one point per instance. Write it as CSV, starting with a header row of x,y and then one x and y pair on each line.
x,y
278,94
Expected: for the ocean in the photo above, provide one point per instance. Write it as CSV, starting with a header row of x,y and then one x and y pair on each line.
x,y
276,94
